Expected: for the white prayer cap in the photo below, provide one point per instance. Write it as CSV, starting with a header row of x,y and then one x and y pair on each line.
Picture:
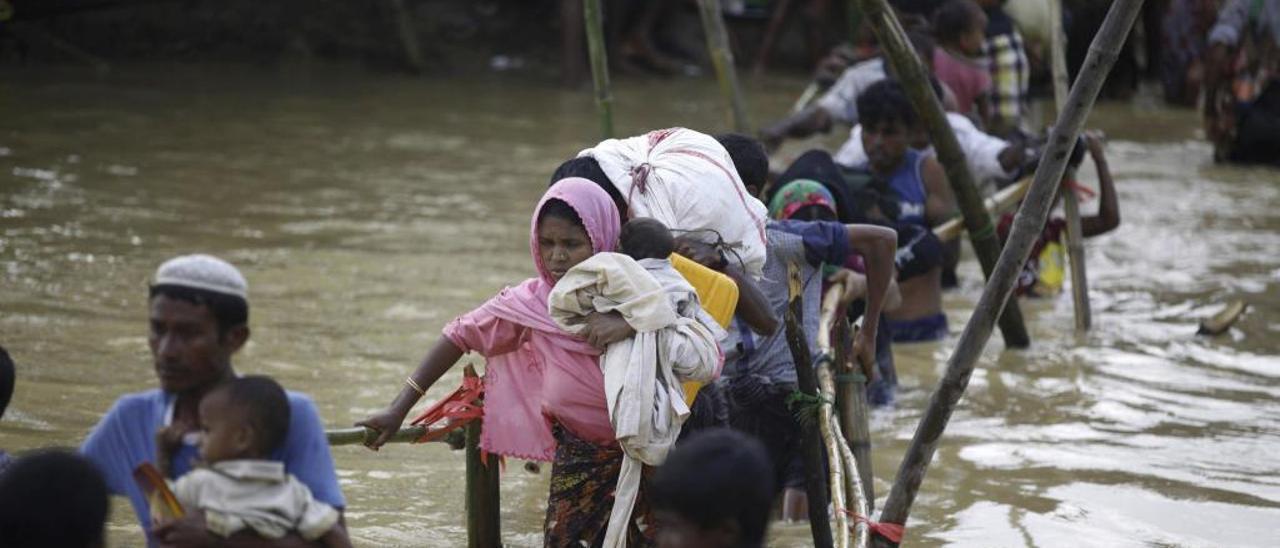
x,y
203,272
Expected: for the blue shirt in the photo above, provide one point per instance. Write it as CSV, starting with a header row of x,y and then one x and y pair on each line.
x,y
126,438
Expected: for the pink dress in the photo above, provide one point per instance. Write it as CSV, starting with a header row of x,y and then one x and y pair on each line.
x,y
536,372
967,79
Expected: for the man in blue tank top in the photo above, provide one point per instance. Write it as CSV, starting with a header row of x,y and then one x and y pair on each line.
x,y
924,199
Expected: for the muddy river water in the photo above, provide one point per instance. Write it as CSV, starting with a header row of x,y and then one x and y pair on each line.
x,y
366,211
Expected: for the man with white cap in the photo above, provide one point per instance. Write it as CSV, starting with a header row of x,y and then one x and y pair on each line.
x,y
199,313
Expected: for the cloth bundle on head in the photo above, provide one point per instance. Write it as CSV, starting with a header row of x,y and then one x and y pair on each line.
x,y
674,341
205,272
686,180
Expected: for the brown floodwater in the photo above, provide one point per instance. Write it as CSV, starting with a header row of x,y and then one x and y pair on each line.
x,y
367,210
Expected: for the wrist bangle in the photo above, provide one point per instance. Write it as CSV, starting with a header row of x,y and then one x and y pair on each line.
x,y
414,385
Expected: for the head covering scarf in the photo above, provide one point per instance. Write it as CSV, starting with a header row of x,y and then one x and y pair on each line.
x,y
514,424
798,194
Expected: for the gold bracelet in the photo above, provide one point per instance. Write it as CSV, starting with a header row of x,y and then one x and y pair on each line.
x,y
414,385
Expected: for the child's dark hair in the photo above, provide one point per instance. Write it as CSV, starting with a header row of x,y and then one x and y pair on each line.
x,y
560,209
229,310
749,157
716,476
6,379
588,168
885,102
646,238
266,405
52,498
955,18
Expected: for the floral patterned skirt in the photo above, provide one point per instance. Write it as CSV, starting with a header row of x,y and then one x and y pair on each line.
x,y
583,478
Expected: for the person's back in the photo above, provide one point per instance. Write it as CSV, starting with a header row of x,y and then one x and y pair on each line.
x,y
52,498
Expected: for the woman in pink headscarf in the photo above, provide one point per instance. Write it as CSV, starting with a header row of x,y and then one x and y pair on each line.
x,y
544,390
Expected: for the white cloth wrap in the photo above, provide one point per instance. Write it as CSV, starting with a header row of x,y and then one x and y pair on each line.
x,y
675,341
256,495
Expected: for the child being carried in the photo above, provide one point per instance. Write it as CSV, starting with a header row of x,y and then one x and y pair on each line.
x,y
641,377
238,488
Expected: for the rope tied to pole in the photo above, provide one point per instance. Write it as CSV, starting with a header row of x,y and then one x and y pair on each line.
x,y
805,407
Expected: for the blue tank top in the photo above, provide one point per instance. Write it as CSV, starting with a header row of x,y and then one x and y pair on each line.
x,y
909,186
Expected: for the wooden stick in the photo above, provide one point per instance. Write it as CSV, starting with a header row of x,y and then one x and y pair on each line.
x,y
781,9
484,526
1026,229
594,21
1070,203
850,396
836,469
852,410
906,64
811,442
856,504
362,435
722,59
1004,200
408,37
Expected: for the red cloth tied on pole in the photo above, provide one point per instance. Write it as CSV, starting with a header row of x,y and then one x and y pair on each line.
x,y
460,407
891,531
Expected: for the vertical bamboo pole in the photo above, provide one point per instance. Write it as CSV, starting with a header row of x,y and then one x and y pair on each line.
x,y
722,59
811,441
982,233
594,20
1026,228
484,527
851,397
408,37
1070,204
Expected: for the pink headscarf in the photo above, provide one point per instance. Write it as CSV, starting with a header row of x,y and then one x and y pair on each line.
x,y
514,423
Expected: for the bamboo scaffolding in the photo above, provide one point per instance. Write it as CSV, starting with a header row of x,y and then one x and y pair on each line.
x,y
722,59
594,21
811,440
1026,228
1070,203
907,66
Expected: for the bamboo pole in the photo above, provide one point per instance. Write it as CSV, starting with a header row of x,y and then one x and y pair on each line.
x,y
484,527
1070,203
854,413
837,472
854,503
362,435
850,391
408,37
722,59
594,21
811,442
1026,228
906,64
1007,198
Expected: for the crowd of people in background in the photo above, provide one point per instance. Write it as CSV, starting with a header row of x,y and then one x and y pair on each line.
x,y
587,361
